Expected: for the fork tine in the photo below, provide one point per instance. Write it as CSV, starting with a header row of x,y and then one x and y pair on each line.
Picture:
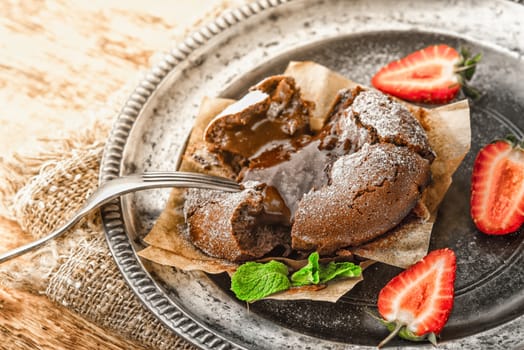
x,y
156,176
194,178
182,173
189,178
205,182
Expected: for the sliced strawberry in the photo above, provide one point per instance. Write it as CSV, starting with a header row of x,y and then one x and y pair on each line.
x,y
416,303
497,188
434,74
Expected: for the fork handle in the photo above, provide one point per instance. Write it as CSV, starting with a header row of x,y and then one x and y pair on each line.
x,y
99,197
13,253
106,192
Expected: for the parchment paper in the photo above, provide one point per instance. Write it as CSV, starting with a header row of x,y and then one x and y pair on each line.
x,y
448,130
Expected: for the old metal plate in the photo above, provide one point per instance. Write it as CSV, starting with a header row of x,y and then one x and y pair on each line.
x,y
354,38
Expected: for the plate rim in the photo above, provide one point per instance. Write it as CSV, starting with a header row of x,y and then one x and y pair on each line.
x,y
123,253
145,288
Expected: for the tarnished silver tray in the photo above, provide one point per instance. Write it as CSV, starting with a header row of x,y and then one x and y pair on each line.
x,y
354,38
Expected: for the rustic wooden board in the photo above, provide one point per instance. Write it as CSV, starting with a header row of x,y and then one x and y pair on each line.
x,y
60,60
29,321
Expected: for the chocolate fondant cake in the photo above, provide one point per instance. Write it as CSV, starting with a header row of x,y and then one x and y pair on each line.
x,y
353,181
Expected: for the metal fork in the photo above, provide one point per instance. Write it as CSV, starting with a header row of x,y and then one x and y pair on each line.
x,y
127,184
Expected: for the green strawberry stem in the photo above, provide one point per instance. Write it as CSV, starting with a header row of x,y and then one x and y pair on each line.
x,y
397,328
512,139
393,334
465,70
432,339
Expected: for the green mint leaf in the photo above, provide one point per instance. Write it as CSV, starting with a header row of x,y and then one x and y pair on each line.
x,y
309,274
337,270
253,281
315,273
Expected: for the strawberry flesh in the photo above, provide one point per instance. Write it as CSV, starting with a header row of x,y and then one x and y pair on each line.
x,y
428,75
421,297
497,188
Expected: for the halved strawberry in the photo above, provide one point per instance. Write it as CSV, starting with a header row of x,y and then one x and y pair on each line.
x,y
434,74
416,303
497,188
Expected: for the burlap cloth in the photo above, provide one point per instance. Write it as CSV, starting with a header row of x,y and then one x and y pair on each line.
x,y
40,190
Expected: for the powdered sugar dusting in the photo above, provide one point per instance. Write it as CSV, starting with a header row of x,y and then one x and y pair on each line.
x,y
226,225
212,212
391,121
371,191
381,162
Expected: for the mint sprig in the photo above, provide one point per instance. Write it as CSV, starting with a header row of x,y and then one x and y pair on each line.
x,y
253,281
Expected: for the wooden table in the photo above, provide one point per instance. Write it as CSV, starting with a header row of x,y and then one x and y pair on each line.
x,y
59,59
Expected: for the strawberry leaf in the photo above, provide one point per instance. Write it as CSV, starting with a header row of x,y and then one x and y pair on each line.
x,y
471,92
432,338
477,58
465,70
409,335
470,71
464,52
510,138
396,328
470,66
